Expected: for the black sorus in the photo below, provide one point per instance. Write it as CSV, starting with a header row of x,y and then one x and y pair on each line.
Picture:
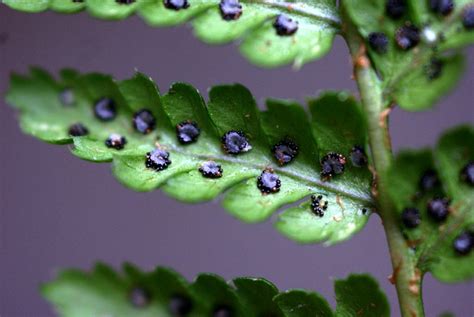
x,y
443,7
318,206
235,142
428,180
285,25
144,121
211,169
464,243
187,132
396,8
468,17
230,9
125,1
268,182
105,109
176,4
411,217
78,129
434,68
467,173
438,208
285,151
180,305
139,297
332,164
222,311
407,36
116,141
358,156
158,159
67,97
378,41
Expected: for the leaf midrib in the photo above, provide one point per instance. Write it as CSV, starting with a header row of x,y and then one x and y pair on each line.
x,y
330,187
301,9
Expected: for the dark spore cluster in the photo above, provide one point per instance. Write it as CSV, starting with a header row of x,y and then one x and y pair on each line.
x,y
78,129
434,68
285,151
428,181
268,182
105,109
468,17
125,1
176,4
139,297
411,217
180,306
211,169
332,164
187,132
396,8
158,159
407,36
358,156
438,209
67,97
467,173
144,121
235,142
230,9
223,311
116,141
318,206
378,41
285,26
443,7
464,243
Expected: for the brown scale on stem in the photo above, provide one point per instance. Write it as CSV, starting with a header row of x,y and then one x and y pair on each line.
x,y
414,243
392,278
373,189
383,118
414,283
361,60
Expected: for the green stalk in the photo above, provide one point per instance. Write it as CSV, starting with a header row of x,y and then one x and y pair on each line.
x,y
406,277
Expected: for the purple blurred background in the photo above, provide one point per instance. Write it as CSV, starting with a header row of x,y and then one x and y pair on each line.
x,y
58,211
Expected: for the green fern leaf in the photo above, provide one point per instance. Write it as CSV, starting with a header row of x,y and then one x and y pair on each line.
x,y
417,178
163,292
49,108
318,23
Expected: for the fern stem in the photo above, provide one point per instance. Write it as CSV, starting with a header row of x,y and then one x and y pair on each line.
x,y
406,277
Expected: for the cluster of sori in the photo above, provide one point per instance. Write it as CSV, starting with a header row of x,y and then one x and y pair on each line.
x,y
234,142
408,35
438,208
230,10
334,163
179,305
